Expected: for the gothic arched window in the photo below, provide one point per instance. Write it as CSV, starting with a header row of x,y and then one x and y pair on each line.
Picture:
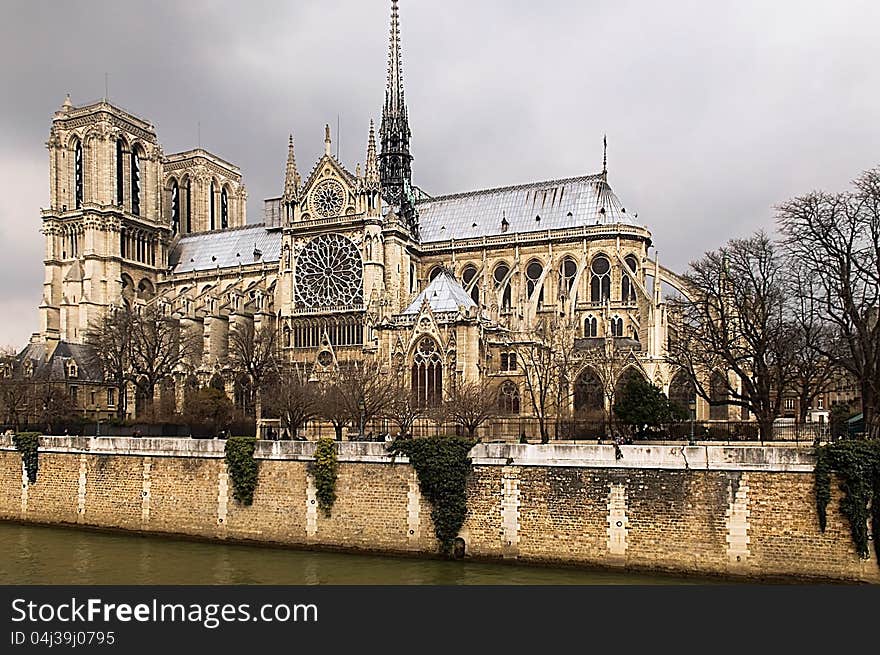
x,y
627,286
224,208
467,277
434,273
600,283
120,172
508,398
175,207
188,188
568,272
591,327
503,284
135,182
329,273
213,203
616,327
78,174
427,373
533,275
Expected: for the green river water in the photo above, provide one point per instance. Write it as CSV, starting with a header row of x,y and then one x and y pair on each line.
x,y
50,555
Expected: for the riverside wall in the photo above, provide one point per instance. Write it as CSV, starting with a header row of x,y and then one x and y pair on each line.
x,y
737,511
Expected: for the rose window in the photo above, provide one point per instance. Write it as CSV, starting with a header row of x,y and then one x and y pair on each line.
x,y
328,198
329,273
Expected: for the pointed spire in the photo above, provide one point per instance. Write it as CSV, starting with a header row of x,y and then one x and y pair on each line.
x,y
394,91
395,160
327,141
372,165
605,156
292,179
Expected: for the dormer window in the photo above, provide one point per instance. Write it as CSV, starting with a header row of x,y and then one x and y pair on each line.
x,y
6,370
72,369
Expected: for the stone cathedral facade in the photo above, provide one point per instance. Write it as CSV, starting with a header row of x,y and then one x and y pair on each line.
x,y
347,265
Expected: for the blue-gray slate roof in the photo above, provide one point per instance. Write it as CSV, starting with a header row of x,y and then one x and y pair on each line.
x,y
444,294
533,207
226,249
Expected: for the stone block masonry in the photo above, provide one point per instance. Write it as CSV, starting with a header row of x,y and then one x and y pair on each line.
x,y
731,511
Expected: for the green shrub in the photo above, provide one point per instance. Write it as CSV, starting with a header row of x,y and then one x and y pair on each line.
x,y
325,472
28,443
242,468
443,466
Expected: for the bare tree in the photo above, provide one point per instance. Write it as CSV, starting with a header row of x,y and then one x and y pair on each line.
x,y
403,408
837,238
294,397
470,405
814,369
158,348
365,390
110,339
734,320
333,407
254,352
550,363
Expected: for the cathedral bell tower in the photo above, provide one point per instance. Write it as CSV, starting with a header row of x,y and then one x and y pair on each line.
x,y
395,160
106,239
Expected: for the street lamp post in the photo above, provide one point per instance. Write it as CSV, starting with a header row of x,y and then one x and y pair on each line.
x,y
692,406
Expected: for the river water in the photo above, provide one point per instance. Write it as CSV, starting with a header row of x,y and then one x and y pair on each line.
x,y
51,555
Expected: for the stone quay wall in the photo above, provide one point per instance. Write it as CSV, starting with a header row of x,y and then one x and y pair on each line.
x,y
734,511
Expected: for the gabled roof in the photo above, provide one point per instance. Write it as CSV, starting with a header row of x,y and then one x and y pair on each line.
x,y
87,362
225,248
444,294
532,207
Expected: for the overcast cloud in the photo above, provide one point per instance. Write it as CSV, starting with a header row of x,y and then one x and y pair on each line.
x,y
715,111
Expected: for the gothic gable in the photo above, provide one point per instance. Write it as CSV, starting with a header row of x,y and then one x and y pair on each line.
x,y
330,191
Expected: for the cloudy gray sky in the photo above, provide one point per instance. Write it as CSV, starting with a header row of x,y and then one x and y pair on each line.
x,y
714,111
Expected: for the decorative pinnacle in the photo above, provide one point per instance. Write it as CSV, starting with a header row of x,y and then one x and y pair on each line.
x,y
605,155
327,142
394,92
292,178
371,166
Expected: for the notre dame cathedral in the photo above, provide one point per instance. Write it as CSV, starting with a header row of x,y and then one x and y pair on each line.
x,y
346,265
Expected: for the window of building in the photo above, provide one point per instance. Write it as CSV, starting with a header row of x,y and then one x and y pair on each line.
x,y
820,402
212,201
502,284
188,206
78,174
72,370
135,182
224,208
175,207
568,272
600,282
120,172
533,276
427,374
111,397
616,327
789,403
468,276
93,398
591,327
74,395
508,398
508,361
627,284
434,273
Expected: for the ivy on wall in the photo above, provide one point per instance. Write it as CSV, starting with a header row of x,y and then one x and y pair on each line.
x,y
443,466
857,463
28,443
242,468
325,472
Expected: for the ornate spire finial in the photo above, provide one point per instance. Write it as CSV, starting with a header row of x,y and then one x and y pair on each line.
x,y
605,155
67,104
372,164
292,179
395,160
327,142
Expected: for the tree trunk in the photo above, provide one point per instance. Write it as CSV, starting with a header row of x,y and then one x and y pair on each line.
x,y
869,412
765,427
338,429
258,406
